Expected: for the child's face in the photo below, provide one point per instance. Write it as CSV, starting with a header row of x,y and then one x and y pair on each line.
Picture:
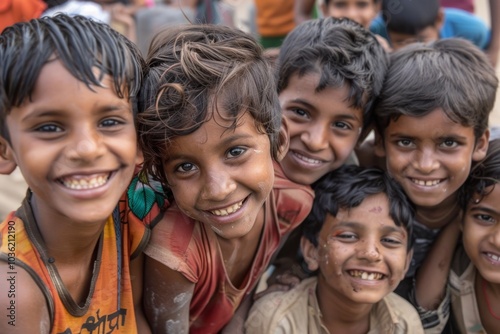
x,y
75,147
323,128
426,35
431,156
221,177
360,11
481,235
361,254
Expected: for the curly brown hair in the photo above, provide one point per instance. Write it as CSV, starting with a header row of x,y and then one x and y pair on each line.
x,y
194,71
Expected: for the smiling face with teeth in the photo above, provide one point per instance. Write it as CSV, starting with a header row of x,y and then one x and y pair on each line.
x,y
222,176
481,234
431,156
361,254
323,128
75,147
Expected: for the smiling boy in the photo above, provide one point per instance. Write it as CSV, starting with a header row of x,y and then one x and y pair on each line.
x,y
432,126
67,121
329,73
358,238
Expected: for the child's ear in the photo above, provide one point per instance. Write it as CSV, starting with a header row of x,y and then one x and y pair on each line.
x,y
310,254
409,256
284,140
7,162
140,157
481,146
379,145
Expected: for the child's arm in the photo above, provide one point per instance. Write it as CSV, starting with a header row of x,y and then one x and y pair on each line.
x,y
432,276
24,307
136,276
167,296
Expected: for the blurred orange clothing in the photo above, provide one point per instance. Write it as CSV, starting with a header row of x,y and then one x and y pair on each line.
x,y
274,18
13,11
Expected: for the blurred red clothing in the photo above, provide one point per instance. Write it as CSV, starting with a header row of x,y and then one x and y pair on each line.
x,y
467,5
12,11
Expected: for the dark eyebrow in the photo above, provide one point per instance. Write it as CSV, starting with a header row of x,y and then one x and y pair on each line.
x,y
310,106
479,207
385,229
226,141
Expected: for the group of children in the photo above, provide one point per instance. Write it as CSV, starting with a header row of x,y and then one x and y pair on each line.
x,y
161,190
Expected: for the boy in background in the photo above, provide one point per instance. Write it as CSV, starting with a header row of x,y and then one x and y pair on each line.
x,y
426,21
358,239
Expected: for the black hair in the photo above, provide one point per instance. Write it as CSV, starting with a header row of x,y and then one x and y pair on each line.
x,y
346,188
451,74
81,44
483,175
409,16
343,53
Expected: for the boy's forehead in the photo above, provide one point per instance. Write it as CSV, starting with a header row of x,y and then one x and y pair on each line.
x,y
433,124
372,209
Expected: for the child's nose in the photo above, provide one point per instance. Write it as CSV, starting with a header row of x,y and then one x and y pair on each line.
x,y
369,250
217,186
426,161
495,236
315,139
86,145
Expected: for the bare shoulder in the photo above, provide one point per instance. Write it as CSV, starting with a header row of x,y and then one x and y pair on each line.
x,y
25,309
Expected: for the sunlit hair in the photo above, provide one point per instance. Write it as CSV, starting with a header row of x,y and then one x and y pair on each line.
x,y
343,53
346,188
451,74
483,176
82,45
194,71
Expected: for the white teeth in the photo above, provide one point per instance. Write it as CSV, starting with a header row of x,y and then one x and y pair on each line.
x,y
306,159
228,210
366,275
85,183
426,183
493,256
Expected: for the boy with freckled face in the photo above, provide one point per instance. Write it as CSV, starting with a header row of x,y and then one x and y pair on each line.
x,y
358,239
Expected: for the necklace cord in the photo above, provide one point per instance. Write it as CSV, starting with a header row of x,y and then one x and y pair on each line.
x,y
487,300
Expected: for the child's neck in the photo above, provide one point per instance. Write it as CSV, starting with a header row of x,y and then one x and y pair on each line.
x,y
239,254
68,242
342,316
488,300
438,216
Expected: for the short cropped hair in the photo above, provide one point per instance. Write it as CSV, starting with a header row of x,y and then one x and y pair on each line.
x,y
409,16
451,74
82,45
343,53
483,174
194,70
346,188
